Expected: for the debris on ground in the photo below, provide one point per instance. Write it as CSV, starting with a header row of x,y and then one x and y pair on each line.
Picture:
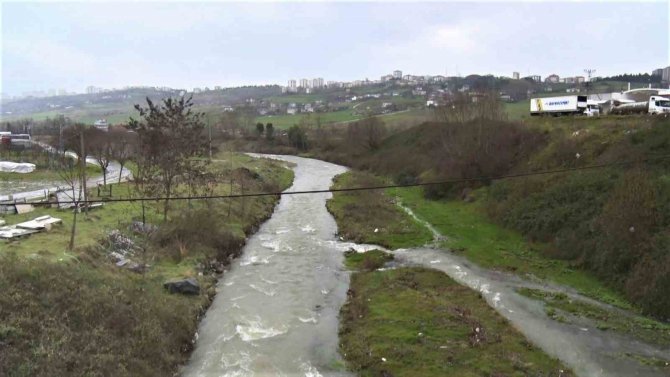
x,y
188,286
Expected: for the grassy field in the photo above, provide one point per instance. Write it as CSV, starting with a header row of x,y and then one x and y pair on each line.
x,y
517,110
114,115
286,121
419,322
367,216
472,234
296,98
74,313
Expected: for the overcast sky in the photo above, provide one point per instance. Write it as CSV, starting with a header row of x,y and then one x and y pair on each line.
x,y
186,45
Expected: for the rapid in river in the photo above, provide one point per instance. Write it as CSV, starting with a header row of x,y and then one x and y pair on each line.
x,y
276,309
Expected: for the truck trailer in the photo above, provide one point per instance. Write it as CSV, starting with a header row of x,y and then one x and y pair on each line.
x,y
565,105
655,105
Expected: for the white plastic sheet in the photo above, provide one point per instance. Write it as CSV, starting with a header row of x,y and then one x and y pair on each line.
x,y
16,167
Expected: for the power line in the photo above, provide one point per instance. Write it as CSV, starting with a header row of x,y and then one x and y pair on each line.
x,y
366,188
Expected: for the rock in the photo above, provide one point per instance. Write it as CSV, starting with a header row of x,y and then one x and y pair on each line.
x,y
139,227
188,286
138,268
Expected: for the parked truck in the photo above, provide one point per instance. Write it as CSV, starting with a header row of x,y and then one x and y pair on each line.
x,y
655,105
565,105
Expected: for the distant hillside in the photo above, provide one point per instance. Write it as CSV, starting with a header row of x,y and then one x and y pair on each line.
x,y
117,105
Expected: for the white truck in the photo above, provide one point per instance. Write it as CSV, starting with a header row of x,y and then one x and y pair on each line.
x,y
565,105
654,106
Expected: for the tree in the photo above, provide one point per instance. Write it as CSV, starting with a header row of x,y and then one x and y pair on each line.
x,y
74,140
170,140
269,131
123,147
100,147
259,129
70,172
297,137
73,171
247,115
230,122
368,133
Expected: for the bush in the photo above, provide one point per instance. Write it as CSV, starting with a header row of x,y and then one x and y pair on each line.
x,y
198,230
479,149
564,204
297,138
649,282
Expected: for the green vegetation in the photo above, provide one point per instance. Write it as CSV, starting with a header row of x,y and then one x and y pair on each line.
x,y
371,216
286,121
367,261
296,98
567,309
602,231
517,110
653,361
419,322
76,313
472,235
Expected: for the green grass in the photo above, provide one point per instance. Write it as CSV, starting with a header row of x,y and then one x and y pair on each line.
x,y
369,217
560,306
419,322
471,234
517,110
369,260
286,121
296,98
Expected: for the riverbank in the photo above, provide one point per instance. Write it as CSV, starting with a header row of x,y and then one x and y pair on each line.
x,y
75,312
413,321
505,253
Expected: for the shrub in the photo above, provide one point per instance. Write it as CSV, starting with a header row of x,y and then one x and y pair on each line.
x,y
198,229
563,204
479,149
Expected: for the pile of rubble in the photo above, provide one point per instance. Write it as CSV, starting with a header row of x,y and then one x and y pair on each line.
x,y
121,249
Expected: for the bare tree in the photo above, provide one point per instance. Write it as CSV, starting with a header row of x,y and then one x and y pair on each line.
x,y
74,140
123,147
71,172
368,133
100,147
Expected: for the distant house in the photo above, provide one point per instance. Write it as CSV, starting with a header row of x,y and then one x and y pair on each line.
x,y
101,124
554,79
291,111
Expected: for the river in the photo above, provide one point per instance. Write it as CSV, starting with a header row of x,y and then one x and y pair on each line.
x,y
276,309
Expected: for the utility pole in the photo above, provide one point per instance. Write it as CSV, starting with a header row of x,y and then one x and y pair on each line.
x,y
589,72
82,166
209,126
